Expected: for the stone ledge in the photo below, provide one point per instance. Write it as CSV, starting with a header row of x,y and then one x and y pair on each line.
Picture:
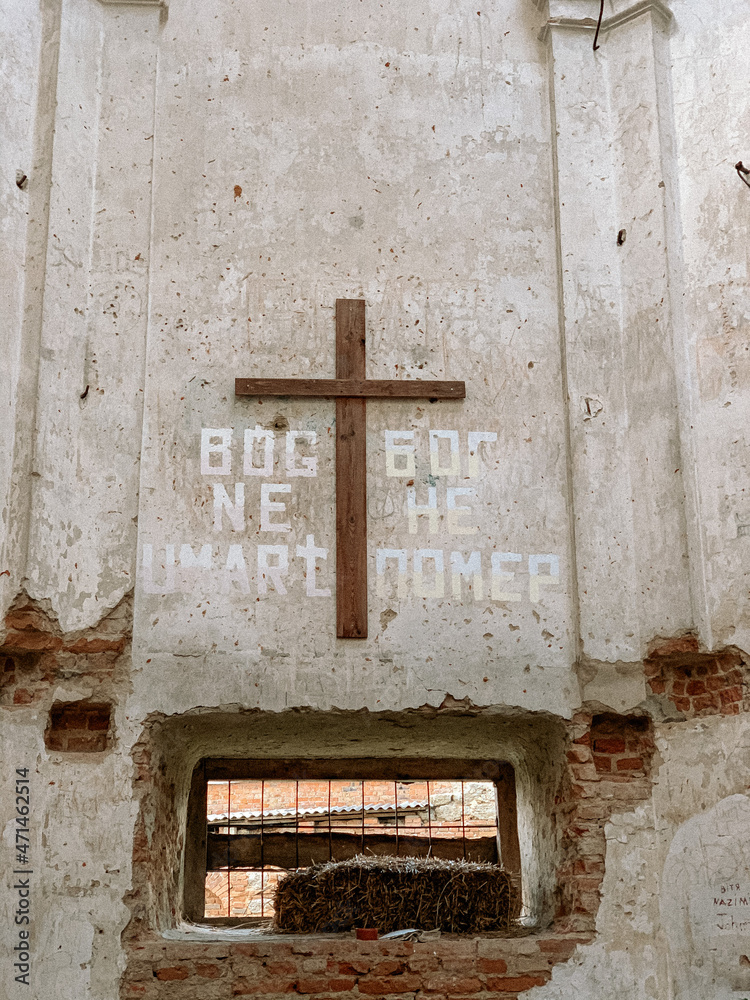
x,y
589,23
451,966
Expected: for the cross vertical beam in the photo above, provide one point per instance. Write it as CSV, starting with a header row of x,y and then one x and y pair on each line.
x,y
351,475
351,390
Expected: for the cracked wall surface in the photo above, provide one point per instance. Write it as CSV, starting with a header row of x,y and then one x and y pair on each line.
x,y
557,563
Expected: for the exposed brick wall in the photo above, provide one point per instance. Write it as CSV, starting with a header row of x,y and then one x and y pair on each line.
x,y
340,967
35,653
609,770
622,747
78,727
158,839
698,683
247,795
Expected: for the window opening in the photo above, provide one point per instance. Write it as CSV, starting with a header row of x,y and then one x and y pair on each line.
x,y
257,829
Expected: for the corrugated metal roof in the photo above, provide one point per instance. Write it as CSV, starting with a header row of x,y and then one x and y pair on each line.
x,y
318,811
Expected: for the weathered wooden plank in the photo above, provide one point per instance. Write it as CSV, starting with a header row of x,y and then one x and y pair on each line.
x,y
354,769
280,849
194,883
355,387
351,476
351,389
507,824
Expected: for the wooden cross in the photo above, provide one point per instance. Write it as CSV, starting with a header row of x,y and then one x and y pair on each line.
x,y
351,389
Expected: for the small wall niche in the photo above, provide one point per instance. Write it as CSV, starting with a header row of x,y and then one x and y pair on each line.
x,y
78,727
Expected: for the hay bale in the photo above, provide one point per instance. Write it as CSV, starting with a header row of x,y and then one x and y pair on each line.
x,y
459,897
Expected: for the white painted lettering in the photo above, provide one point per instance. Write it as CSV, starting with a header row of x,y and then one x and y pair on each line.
x,y
268,573
253,435
455,511
189,560
470,569
216,441
399,458
537,579
268,506
235,570
234,511
309,465
438,469
415,509
501,576
438,589
310,552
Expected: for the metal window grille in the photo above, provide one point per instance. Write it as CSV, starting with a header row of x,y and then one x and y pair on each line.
x,y
257,830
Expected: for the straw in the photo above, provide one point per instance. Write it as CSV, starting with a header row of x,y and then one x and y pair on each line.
x,y
458,897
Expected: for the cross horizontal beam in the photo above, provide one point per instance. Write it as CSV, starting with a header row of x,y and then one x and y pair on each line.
x,y
350,387
351,390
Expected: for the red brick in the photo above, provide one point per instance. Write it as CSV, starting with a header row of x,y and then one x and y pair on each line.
x,y
172,972
670,647
731,694
263,949
97,645
452,984
516,984
609,744
630,764
86,742
492,965
658,685
457,965
356,967
99,720
579,755
456,948
207,971
318,965
682,704
395,949
310,946
584,740
704,702
245,988
30,642
696,687
602,763
22,697
424,963
588,884
281,968
388,967
733,709
394,984
584,772
71,716
589,902
325,985
561,949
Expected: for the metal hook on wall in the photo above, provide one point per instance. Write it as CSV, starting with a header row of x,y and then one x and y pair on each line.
x,y
599,25
742,172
